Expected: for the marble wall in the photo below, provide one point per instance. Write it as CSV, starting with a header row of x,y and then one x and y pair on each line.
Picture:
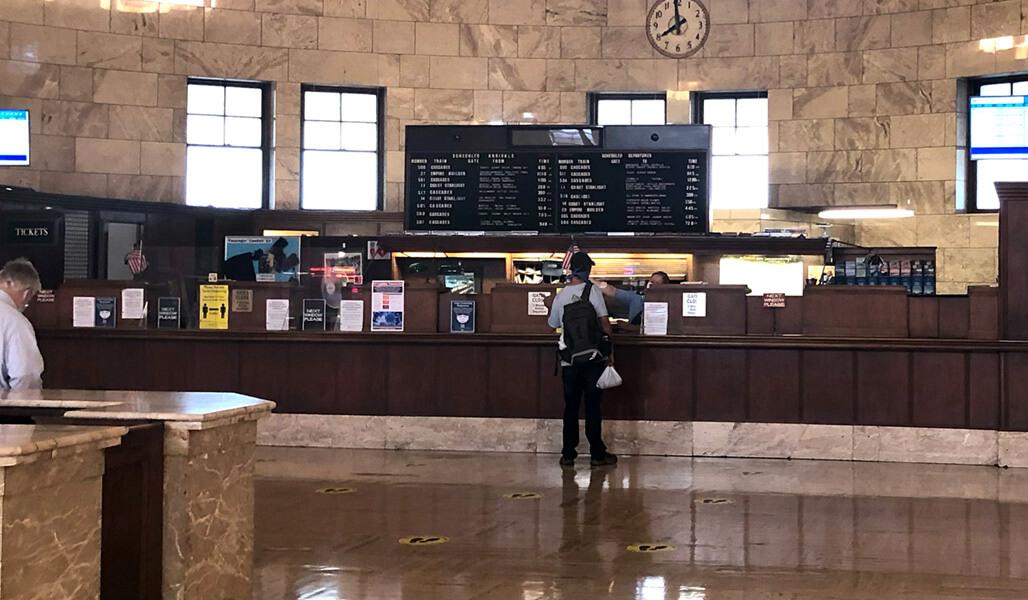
x,y
864,94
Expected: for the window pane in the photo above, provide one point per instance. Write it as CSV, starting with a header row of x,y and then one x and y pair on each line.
x,y
991,171
1021,88
243,132
360,136
648,112
243,102
321,106
205,99
996,89
752,112
751,140
224,177
340,180
209,131
723,141
614,112
320,135
719,112
739,182
360,107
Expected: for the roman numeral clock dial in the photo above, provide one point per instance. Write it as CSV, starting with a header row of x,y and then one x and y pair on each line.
x,y
677,28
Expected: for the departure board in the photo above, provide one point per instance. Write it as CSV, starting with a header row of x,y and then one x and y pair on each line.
x,y
632,191
558,179
481,191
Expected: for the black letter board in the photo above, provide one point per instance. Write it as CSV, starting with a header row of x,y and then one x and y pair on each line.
x,y
558,178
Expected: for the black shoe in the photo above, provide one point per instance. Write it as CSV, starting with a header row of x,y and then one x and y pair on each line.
x,y
606,460
566,461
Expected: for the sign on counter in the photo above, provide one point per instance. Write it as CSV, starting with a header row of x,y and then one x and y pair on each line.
x,y
168,312
537,304
313,314
83,311
133,303
774,300
655,315
276,314
351,315
213,307
694,304
387,305
462,316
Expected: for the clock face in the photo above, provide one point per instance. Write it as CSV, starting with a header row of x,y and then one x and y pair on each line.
x,y
677,28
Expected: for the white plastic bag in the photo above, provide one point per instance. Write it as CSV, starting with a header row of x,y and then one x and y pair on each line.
x,y
608,379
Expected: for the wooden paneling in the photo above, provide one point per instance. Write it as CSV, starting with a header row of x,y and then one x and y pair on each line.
x,y
983,370
954,319
757,379
983,302
777,321
510,309
829,387
939,389
853,311
923,316
720,385
883,388
133,481
726,309
774,386
1013,259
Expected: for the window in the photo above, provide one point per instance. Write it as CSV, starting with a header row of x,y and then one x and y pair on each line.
x,y
995,129
739,147
341,163
228,144
627,109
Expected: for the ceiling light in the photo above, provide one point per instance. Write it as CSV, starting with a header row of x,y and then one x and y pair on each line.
x,y
866,212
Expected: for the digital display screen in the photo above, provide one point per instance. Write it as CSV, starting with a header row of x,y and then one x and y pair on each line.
x,y
14,138
999,127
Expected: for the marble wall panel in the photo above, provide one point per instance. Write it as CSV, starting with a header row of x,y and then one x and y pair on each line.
x,y
909,444
729,11
491,40
146,187
39,44
158,55
444,105
836,68
912,131
414,71
230,60
78,14
160,158
29,79
517,12
863,33
537,107
395,37
580,42
140,123
538,42
996,19
576,12
75,118
459,11
519,74
296,7
910,29
124,87
774,38
951,25
730,40
134,23
352,35
936,163
820,103
52,153
232,26
863,133
106,156
289,31
181,23
345,8
22,11
813,37
460,72
881,66
813,134
317,66
437,38
778,10
905,98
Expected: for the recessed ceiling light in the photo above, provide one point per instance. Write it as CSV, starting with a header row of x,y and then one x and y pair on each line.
x,y
867,212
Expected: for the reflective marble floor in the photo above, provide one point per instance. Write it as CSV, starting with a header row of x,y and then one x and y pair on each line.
x,y
736,529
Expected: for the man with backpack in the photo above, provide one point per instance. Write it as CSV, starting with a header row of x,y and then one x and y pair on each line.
x,y
585,351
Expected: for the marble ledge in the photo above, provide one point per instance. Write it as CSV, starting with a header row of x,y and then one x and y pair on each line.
x,y
194,407
660,438
21,444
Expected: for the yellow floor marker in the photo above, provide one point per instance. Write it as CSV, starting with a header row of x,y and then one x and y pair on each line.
x,y
650,548
336,491
523,496
424,540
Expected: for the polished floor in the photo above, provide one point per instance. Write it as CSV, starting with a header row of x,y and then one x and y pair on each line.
x,y
329,521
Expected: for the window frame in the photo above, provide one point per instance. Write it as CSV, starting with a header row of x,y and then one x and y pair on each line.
x,y
696,108
267,146
974,88
594,98
380,150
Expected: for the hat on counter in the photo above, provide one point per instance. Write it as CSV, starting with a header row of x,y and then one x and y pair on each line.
x,y
581,264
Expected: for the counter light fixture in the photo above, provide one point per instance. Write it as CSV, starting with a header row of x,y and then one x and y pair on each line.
x,y
866,212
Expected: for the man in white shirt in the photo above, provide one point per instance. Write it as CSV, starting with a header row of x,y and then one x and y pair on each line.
x,y
580,376
21,364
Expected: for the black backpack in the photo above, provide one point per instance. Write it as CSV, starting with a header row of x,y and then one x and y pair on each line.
x,y
583,338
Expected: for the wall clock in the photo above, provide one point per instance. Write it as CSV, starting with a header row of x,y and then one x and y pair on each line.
x,y
677,28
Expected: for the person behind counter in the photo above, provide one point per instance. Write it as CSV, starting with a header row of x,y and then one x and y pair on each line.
x,y
21,364
626,304
580,377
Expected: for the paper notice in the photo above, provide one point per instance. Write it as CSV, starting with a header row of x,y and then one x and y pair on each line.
x,y
132,300
83,311
351,315
276,314
655,315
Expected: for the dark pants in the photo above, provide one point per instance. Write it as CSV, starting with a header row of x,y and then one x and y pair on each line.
x,y
579,381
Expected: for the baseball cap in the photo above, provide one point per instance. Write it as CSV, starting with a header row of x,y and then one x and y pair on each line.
x,y
581,263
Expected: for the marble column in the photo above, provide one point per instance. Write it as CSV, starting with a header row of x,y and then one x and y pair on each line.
x,y
50,502
208,509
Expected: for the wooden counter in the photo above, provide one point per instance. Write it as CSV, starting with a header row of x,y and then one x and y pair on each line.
x,y
788,379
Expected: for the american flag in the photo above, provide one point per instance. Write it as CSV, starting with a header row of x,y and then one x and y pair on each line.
x,y
566,265
136,261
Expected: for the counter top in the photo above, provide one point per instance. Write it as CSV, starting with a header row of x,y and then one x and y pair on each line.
x,y
131,405
534,339
19,442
